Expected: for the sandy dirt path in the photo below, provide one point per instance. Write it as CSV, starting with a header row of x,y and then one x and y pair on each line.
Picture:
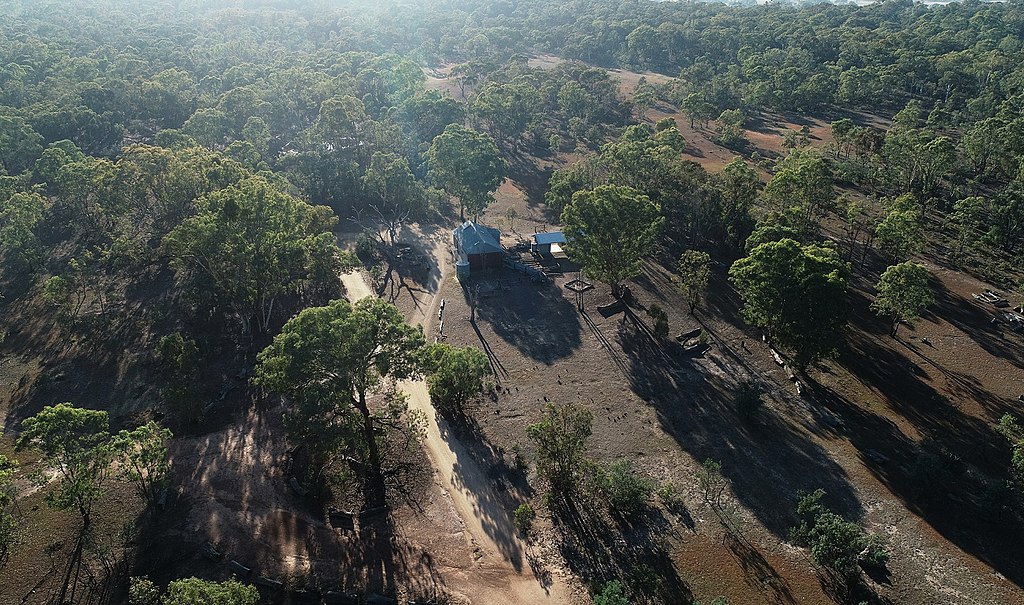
x,y
502,574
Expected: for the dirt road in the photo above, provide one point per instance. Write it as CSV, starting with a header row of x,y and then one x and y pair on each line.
x,y
502,573
355,286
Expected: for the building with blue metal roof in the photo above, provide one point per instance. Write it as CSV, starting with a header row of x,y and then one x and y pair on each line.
x,y
547,242
478,246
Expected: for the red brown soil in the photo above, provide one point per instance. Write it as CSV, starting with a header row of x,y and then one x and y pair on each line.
x,y
668,414
664,411
853,431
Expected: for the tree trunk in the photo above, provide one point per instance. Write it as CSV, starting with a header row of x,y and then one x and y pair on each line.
x,y
895,326
374,480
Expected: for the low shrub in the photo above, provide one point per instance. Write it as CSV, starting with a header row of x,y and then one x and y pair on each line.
x,y
523,518
627,491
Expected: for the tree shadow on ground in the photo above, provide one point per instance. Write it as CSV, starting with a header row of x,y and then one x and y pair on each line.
x,y
110,361
234,494
848,590
598,549
769,462
758,571
410,267
975,321
534,318
493,487
525,173
952,506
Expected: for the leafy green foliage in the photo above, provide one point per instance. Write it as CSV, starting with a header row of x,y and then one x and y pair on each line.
x,y
747,399
917,159
324,362
796,139
712,483
660,319
250,243
797,293
396,195
75,442
467,165
20,144
697,108
739,186
834,542
968,219
730,129
612,593
644,160
609,230
644,580
8,524
193,591
20,218
561,439
565,182
1014,434
900,234
777,226
523,518
426,114
694,268
804,182
903,293
455,374
179,361
628,492
142,591
142,456
507,108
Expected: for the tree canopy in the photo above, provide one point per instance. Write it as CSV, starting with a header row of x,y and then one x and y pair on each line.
x,y
903,293
326,362
454,374
8,524
797,293
609,230
468,165
192,591
561,438
250,243
75,442
694,268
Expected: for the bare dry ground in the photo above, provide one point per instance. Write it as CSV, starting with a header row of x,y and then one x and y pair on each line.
x,y
668,413
854,432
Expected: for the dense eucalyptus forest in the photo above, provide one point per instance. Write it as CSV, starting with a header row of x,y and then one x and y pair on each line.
x,y
196,395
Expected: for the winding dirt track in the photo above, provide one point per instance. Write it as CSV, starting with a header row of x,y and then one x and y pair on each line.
x,y
502,574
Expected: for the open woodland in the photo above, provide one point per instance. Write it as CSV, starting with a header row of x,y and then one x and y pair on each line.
x,y
781,360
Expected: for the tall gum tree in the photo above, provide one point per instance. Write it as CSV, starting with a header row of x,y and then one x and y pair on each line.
x,y
797,293
609,230
467,165
250,243
325,361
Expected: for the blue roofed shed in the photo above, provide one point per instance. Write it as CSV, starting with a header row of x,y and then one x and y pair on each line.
x,y
477,245
548,242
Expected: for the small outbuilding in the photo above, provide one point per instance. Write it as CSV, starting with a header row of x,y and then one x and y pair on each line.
x,y
477,246
548,243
